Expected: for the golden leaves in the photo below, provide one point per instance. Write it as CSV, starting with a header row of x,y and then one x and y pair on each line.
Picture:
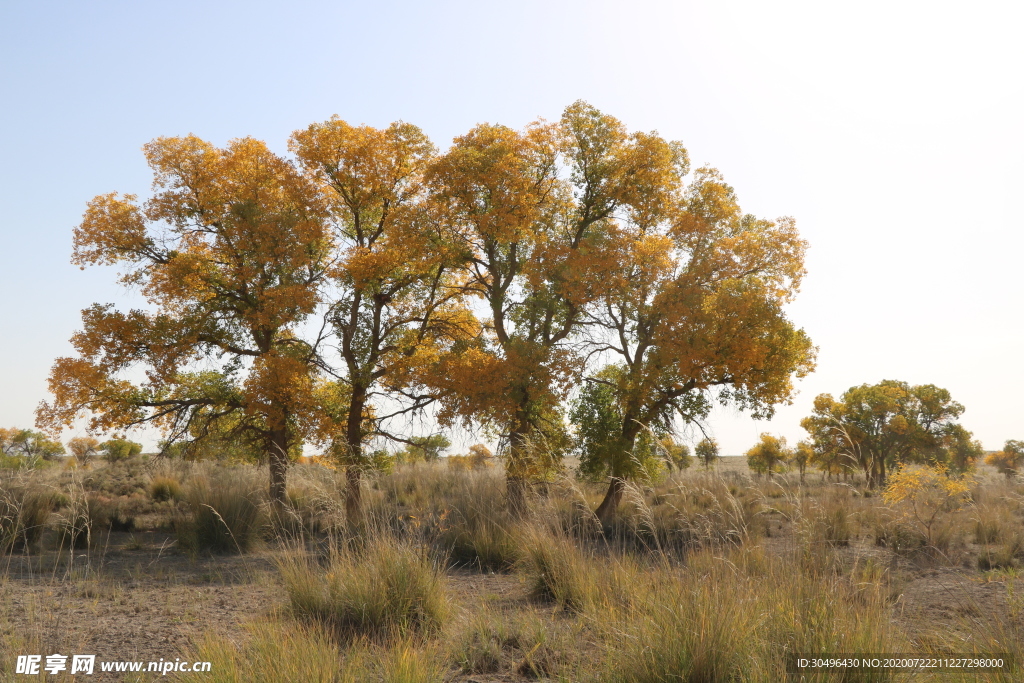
x,y
561,228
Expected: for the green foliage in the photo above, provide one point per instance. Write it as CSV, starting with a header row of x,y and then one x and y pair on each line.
x,y
116,450
879,427
28,444
424,449
677,455
707,452
604,445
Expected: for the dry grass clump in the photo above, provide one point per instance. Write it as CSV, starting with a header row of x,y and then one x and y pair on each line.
x,y
272,653
275,652
828,518
88,517
226,512
738,617
557,570
164,488
1008,555
688,512
381,588
24,511
472,530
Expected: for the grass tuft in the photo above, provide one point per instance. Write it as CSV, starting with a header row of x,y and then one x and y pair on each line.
x,y
383,589
226,514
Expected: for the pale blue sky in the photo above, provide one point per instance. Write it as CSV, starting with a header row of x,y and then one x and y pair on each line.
x,y
891,131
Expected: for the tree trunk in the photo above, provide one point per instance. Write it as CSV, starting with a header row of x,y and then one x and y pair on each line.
x,y
353,495
609,506
516,484
278,459
354,446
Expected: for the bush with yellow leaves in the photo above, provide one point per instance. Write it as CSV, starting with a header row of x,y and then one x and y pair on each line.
x,y
923,491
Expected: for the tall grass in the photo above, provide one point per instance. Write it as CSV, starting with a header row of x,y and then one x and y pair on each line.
x,y
738,617
382,588
226,512
271,653
24,511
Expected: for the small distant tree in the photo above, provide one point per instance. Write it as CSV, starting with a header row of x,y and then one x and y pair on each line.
x,y
480,456
801,456
677,455
28,444
116,450
1009,460
84,448
425,448
768,455
707,452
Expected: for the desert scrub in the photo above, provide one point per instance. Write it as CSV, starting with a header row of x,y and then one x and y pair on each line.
x,y
226,513
24,511
922,492
164,488
381,588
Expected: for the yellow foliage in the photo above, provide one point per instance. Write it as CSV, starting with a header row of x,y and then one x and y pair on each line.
x,y
923,491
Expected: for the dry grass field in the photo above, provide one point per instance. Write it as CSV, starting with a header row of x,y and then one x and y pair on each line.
x,y
706,576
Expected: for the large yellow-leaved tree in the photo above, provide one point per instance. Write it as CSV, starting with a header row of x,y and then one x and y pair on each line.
x,y
396,301
533,210
692,312
231,253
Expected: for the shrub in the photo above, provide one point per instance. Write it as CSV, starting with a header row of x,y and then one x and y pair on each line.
x,y
383,589
116,450
163,488
84,448
225,514
922,492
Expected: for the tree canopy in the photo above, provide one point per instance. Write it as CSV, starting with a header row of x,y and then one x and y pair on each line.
x,y
877,427
315,299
